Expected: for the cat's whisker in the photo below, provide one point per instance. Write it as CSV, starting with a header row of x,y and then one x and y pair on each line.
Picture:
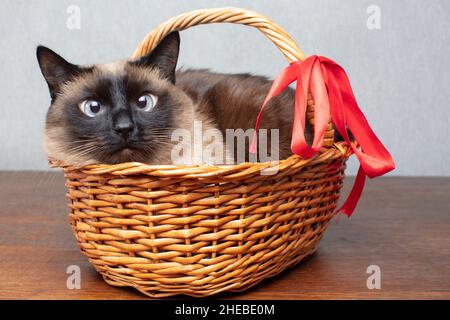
x,y
84,151
81,148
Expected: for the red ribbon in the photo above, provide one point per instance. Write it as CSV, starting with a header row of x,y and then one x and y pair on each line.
x,y
333,95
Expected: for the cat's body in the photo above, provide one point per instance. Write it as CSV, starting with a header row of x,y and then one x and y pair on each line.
x,y
128,110
233,102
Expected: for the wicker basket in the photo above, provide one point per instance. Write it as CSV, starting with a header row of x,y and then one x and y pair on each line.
x,y
201,230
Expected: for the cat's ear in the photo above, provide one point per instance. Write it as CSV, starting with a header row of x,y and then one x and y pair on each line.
x,y
55,69
164,56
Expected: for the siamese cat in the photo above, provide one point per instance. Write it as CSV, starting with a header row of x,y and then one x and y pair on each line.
x,y
127,111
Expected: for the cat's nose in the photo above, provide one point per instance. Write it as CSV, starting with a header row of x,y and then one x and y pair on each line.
x,y
124,128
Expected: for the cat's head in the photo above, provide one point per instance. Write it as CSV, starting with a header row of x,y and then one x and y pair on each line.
x,y
117,112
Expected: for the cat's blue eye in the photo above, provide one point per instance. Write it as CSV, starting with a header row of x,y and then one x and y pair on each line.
x,y
147,102
91,108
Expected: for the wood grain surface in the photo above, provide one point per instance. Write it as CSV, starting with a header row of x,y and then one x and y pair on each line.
x,y
401,224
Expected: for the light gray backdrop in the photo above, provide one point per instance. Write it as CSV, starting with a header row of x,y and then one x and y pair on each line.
x,y
400,73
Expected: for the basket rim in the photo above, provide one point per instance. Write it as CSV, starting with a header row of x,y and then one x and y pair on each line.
x,y
231,171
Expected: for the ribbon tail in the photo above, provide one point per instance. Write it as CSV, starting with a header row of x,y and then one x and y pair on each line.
x,y
287,76
298,143
352,200
310,77
321,105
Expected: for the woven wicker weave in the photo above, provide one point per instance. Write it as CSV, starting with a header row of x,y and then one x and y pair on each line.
x,y
201,230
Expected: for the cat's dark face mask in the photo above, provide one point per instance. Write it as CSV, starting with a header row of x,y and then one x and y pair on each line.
x,y
113,113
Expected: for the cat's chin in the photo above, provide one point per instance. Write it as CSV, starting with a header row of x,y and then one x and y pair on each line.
x,y
126,155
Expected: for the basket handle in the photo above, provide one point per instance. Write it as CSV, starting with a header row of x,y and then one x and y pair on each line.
x,y
271,30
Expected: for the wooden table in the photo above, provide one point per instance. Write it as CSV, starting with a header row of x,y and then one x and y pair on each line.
x,y
401,225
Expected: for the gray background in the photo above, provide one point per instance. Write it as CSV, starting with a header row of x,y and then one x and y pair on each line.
x,y
400,73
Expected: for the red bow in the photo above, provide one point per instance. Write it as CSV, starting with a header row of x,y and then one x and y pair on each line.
x,y
332,94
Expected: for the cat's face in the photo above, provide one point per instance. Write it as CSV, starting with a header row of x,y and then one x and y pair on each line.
x,y
113,113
